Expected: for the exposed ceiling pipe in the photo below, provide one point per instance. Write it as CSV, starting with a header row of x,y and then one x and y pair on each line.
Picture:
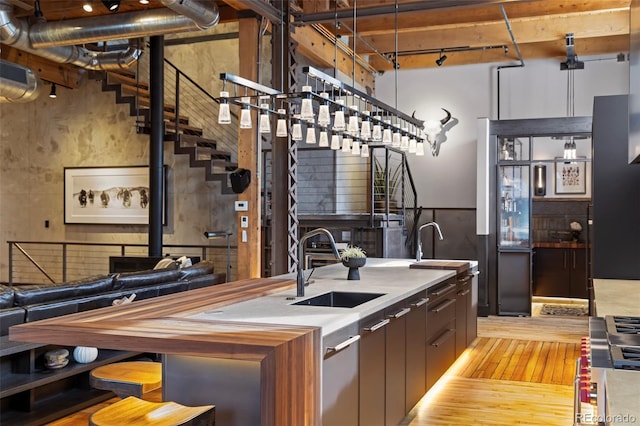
x,y
18,83
181,16
59,37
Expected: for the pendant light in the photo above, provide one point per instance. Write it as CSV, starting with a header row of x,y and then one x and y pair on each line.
x,y
311,134
264,122
386,133
420,149
324,117
355,147
281,125
346,143
365,127
224,115
353,128
245,113
376,133
306,108
404,140
335,141
324,138
296,130
364,150
338,119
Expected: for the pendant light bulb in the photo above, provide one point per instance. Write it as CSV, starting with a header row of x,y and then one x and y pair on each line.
x,y
265,123
365,127
404,140
346,144
324,138
224,115
364,150
413,145
338,120
306,109
376,134
311,134
335,142
353,127
355,147
395,141
296,131
324,116
245,114
281,125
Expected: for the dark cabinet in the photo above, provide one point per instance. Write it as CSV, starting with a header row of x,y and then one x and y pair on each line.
x,y
416,356
441,330
560,272
372,370
340,377
396,366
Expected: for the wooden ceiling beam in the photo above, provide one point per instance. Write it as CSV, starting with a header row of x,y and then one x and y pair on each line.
x,y
63,74
526,30
547,49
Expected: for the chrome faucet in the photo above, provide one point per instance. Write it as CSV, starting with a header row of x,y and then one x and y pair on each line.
x,y
419,249
301,281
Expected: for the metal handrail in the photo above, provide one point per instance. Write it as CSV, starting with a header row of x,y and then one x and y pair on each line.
x,y
64,258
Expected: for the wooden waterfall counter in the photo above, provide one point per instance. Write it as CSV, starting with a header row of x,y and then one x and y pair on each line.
x,y
288,355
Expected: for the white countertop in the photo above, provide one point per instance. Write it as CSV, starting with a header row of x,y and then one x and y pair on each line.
x,y
392,277
617,297
623,401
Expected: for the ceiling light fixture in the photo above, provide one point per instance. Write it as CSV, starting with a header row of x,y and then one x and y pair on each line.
x,y
88,6
111,5
52,92
144,1
441,59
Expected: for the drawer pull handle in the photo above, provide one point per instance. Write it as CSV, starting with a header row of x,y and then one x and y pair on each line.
x,y
444,290
463,293
465,279
378,325
401,313
420,302
443,338
443,306
340,346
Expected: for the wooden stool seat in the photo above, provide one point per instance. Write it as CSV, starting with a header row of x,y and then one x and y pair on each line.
x,y
133,411
133,378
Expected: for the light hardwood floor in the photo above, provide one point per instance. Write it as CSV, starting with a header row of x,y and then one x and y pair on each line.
x,y
518,371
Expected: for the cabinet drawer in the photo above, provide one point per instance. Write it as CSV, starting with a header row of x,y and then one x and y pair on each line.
x,y
439,314
441,353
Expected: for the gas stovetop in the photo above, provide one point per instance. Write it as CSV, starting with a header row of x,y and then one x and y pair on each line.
x,y
623,335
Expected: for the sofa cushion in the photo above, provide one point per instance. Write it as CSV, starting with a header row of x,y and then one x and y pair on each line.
x,y
144,278
32,294
201,268
49,310
10,317
6,296
207,280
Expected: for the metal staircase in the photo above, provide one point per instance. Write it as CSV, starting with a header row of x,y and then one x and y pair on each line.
x,y
189,119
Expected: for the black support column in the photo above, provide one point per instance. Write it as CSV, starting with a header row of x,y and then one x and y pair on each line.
x,y
156,142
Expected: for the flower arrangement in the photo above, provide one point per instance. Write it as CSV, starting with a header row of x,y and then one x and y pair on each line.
x,y
352,252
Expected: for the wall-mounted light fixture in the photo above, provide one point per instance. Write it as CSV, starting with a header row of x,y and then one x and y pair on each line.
x,y
539,180
52,92
88,6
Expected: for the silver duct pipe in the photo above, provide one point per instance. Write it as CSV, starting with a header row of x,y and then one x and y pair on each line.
x,y
18,83
55,40
15,32
120,26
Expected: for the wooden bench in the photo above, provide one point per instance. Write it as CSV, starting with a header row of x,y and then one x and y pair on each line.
x,y
133,378
133,411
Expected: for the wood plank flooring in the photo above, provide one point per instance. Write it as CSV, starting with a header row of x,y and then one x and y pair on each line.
x,y
518,371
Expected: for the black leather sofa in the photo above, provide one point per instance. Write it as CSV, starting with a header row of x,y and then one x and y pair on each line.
x,y
27,303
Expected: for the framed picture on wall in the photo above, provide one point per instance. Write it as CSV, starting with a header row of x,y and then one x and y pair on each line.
x,y
108,195
570,176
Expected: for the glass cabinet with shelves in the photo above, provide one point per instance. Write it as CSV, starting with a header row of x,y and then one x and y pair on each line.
x,y
514,188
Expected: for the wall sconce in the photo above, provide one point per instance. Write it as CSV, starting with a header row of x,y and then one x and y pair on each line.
x,y
441,59
539,180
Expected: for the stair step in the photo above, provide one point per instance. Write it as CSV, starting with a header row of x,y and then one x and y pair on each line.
x,y
170,126
130,80
192,139
143,97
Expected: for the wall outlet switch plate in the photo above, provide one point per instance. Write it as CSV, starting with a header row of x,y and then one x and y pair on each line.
x,y
244,221
244,236
242,206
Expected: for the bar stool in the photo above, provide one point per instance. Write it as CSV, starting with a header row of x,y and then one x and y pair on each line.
x,y
133,411
130,378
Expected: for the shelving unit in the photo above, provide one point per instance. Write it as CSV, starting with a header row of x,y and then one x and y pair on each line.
x,y
31,394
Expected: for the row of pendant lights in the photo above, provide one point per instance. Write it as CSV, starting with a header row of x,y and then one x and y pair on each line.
x,y
347,135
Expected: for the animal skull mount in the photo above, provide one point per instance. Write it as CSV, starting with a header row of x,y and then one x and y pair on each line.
x,y
436,131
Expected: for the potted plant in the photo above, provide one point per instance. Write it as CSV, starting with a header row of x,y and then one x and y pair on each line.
x,y
380,187
353,257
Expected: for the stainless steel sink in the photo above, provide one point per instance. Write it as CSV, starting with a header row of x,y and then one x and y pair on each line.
x,y
339,299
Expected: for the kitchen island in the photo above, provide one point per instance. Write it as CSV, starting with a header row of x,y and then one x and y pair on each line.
x,y
247,348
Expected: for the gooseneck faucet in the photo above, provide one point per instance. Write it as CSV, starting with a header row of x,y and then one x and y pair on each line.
x,y
419,249
301,281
